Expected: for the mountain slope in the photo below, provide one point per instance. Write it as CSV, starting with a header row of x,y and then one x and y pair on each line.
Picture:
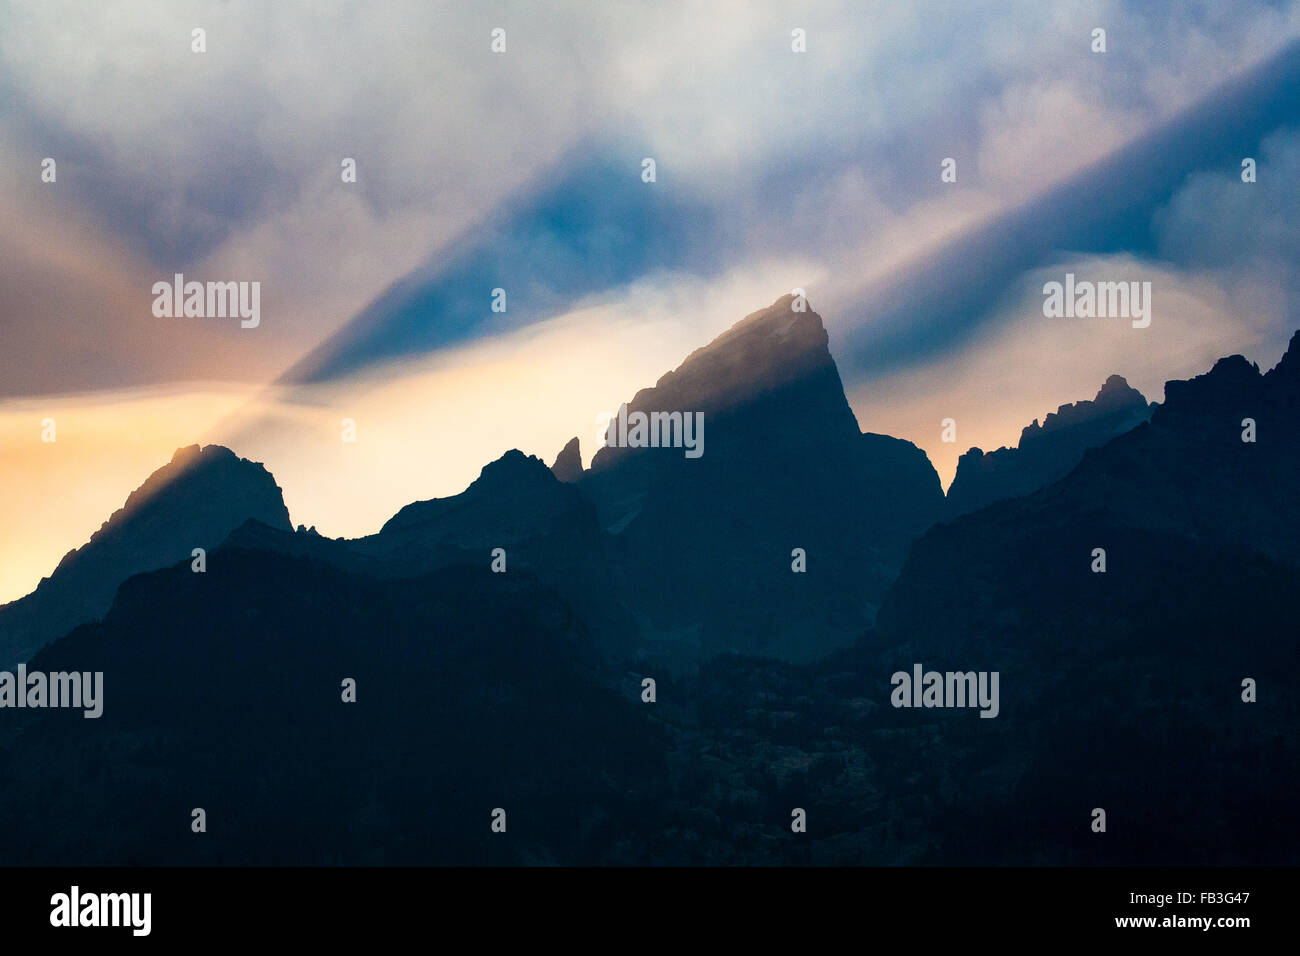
x,y
1122,684
194,501
224,691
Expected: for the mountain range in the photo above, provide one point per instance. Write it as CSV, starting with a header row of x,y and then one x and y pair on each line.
x,y
524,688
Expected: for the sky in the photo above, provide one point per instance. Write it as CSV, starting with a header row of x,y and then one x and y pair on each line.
x,y
522,170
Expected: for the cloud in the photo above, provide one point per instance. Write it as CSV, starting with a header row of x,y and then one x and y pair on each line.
x,y
939,302
1216,221
227,162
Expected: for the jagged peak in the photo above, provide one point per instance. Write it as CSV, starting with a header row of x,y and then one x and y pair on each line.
x,y
1235,366
1114,395
1228,372
186,461
1116,386
777,328
568,463
1287,370
772,349
514,477
1291,357
776,341
212,476
1232,378
511,469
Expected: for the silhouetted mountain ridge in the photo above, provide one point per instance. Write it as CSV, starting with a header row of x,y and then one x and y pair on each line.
x,y
521,690
1046,452
1123,680
194,501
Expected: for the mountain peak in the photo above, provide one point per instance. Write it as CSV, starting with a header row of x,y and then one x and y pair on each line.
x,y
1291,357
195,475
1220,391
1117,387
1115,396
775,351
1283,379
512,480
765,338
194,501
511,470
1048,451
568,463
